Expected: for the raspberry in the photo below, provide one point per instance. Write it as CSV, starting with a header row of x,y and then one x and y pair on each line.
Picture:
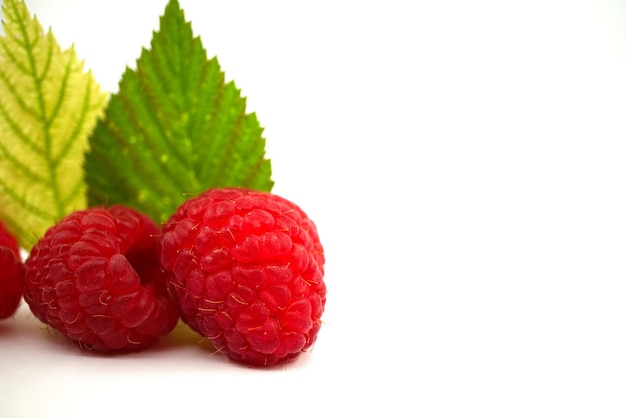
x,y
246,269
11,274
95,278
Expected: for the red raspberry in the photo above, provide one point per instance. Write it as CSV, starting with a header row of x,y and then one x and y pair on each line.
x,y
95,278
247,270
11,274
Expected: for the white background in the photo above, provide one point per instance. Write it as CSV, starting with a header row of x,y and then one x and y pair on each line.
x,y
465,165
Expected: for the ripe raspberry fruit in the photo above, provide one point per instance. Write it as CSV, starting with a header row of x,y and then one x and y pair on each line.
x,y
11,274
95,277
247,270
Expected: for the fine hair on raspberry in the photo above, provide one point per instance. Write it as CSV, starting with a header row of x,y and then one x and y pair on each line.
x,y
246,269
95,278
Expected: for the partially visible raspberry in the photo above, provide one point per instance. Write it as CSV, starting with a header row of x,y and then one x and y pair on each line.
x,y
247,270
11,274
95,277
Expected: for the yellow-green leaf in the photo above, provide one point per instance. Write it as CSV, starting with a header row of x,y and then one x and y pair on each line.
x,y
48,107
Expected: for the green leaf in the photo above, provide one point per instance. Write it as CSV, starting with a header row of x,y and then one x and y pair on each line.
x,y
174,129
48,107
